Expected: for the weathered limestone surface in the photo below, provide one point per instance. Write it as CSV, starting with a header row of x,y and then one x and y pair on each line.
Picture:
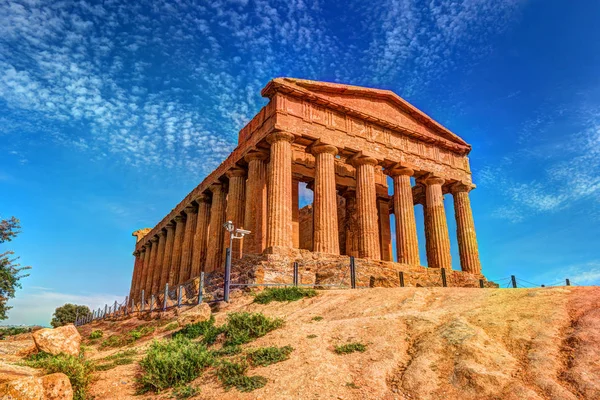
x,y
341,141
185,269
65,339
49,387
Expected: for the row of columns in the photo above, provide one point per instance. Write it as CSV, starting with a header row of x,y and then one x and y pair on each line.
x,y
196,239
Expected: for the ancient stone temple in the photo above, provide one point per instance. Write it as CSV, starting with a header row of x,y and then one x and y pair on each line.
x,y
345,143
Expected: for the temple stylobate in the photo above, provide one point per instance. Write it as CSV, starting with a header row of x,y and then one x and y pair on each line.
x,y
343,142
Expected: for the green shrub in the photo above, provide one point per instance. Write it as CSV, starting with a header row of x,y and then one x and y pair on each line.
x,y
97,334
13,330
113,341
311,336
269,355
317,318
207,329
171,326
185,392
228,351
76,368
350,348
291,293
120,358
173,362
121,354
243,327
140,332
232,374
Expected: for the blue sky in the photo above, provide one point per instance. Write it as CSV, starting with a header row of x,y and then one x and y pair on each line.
x,y
111,112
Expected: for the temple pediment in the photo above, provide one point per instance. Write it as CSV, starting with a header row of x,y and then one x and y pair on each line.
x,y
375,105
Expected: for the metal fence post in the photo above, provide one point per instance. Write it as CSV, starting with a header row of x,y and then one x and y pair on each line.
x,y
352,273
568,282
179,290
166,296
401,277
513,280
481,283
143,302
296,273
444,283
227,275
201,287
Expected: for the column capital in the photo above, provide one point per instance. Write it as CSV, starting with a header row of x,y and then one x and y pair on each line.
x,y
190,209
362,160
142,249
154,239
203,198
319,148
461,187
261,155
162,233
398,170
433,180
170,225
136,253
179,218
278,136
235,171
216,187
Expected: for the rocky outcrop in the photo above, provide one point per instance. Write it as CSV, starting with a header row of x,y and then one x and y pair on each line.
x,y
65,339
198,313
49,387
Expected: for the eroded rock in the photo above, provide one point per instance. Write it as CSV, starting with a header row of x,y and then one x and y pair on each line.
x,y
50,387
65,339
196,314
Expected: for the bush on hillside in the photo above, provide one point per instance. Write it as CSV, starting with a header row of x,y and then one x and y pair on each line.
x,y
76,368
243,327
291,293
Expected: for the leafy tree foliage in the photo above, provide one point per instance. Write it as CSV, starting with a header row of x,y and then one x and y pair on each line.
x,y
10,271
66,314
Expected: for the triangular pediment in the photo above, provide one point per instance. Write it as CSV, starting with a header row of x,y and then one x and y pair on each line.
x,y
382,105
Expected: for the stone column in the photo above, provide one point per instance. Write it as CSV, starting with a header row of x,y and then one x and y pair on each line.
x,y
385,233
465,229
255,218
177,247
216,231
136,271
158,268
351,223
151,267
407,244
140,276
366,202
295,213
279,190
201,236
185,268
167,255
325,224
439,248
235,207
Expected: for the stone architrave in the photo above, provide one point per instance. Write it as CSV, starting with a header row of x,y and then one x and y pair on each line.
x,y
235,207
439,249
279,189
366,208
214,253
407,245
151,267
385,233
465,229
325,224
185,269
177,247
167,256
255,218
201,236
157,276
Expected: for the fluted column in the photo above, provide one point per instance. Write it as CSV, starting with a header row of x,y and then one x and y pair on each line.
x,y
200,238
366,202
140,277
255,216
407,244
159,266
177,247
235,207
214,251
465,229
279,190
151,267
167,255
136,271
385,233
185,268
439,248
351,223
325,223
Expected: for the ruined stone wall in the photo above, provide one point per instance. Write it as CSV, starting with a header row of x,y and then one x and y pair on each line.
x,y
306,227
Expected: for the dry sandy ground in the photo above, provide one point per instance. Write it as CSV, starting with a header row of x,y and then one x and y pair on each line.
x,y
423,343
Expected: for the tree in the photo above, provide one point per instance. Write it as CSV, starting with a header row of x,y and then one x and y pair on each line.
x,y
10,271
66,314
